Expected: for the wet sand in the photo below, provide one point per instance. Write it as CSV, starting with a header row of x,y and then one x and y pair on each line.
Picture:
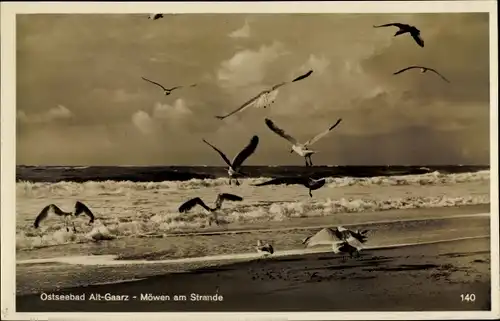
x,y
413,278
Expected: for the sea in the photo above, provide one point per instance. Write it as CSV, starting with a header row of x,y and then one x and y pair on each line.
x,y
133,202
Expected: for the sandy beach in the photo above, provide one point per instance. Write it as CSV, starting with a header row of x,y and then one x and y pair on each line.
x,y
408,277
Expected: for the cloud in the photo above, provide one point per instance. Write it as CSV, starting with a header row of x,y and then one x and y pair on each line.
x,y
243,32
247,66
173,115
55,113
143,122
172,112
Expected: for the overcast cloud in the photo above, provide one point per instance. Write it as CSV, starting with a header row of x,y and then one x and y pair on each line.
x,y
81,99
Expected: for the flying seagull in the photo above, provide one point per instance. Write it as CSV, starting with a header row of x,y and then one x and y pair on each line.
x,y
235,166
404,28
266,97
342,240
301,149
155,16
264,249
166,91
53,209
309,182
422,70
185,207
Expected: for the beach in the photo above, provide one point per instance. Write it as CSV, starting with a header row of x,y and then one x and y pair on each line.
x,y
409,277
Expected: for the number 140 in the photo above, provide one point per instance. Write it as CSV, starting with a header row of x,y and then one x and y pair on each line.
x,y
468,297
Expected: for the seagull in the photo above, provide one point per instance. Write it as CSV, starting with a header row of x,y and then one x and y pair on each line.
x,y
235,165
342,240
166,91
301,149
265,98
155,16
53,209
404,28
309,182
186,206
422,70
266,249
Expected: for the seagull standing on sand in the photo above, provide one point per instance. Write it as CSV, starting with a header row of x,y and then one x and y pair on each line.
x,y
309,182
166,91
155,16
404,28
264,98
422,70
186,206
264,249
301,149
53,209
235,166
342,240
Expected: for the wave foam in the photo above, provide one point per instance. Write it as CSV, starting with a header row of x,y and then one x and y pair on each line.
x,y
120,188
157,225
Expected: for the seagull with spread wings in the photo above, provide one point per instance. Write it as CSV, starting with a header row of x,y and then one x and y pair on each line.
x,y
188,205
166,91
404,28
235,166
300,149
52,209
265,98
422,70
341,239
309,182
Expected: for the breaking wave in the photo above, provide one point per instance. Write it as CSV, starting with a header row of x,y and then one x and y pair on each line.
x,y
124,218
30,189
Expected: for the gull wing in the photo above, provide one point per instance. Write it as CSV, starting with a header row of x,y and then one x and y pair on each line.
x,y
324,237
418,39
224,157
314,184
44,213
320,135
395,24
192,203
226,196
229,197
82,208
436,72
359,236
407,68
157,84
288,180
245,153
272,126
307,74
244,106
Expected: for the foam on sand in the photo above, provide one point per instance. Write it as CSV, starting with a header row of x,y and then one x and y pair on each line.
x,y
113,259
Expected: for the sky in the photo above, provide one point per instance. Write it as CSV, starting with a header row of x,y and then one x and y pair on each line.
x,y
81,99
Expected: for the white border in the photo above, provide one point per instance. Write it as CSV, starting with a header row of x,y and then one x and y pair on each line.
x,y
8,151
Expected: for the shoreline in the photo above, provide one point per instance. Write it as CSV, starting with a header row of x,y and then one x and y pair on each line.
x,y
428,277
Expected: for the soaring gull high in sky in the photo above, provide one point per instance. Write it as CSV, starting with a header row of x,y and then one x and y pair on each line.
x,y
81,99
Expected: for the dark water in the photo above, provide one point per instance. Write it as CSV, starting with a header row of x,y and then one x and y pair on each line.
x,y
53,174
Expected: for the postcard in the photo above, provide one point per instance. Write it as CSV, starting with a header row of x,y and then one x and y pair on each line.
x,y
259,160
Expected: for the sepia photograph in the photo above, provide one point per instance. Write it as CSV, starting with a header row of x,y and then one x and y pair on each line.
x,y
329,158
